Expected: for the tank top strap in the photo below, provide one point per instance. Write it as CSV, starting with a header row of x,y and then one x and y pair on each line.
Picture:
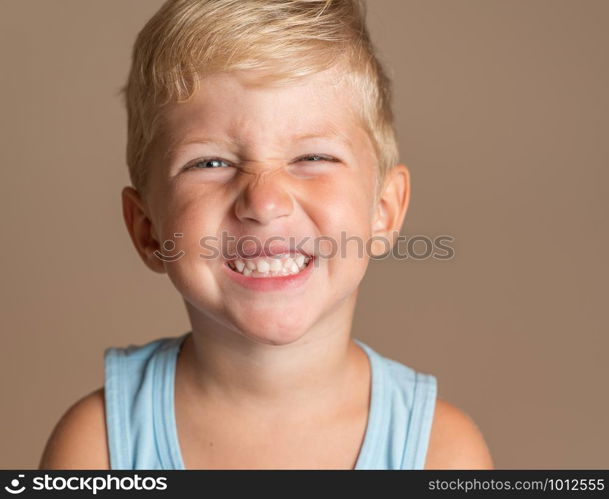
x,y
420,421
403,405
138,380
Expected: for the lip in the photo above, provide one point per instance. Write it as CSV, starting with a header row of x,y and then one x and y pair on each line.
x,y
278,283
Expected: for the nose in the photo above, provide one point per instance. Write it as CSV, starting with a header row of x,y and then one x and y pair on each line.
x,y
263,199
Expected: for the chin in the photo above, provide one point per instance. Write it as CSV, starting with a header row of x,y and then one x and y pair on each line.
x,y
273,338
269,328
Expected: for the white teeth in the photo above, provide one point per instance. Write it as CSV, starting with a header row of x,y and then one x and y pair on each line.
x,y
263,266
299,259
276,265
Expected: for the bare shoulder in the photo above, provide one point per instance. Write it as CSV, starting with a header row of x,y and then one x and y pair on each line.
x,y
456,441
78,440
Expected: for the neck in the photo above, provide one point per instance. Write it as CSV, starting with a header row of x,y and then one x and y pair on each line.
x,y
230,367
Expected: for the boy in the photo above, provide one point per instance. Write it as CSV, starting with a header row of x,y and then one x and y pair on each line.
x,y
260,140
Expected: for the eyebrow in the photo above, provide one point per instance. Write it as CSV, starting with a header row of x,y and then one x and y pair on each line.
x,y
331,134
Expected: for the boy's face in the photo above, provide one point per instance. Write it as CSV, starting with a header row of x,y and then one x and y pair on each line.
x,y
252,161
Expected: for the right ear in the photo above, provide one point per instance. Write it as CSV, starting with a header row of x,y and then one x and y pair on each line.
x,y
141,230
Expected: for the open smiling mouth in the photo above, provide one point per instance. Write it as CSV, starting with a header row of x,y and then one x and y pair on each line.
x,y
284,264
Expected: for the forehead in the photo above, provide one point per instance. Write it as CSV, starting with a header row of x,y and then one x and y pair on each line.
x,y
239,107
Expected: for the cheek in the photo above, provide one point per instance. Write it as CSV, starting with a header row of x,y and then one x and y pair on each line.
x,y
193,220
194,224
343,205
342,216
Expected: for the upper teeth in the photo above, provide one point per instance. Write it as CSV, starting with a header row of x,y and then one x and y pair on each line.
x,y
284,264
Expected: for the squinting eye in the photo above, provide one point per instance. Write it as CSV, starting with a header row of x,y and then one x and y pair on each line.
x,y
215,163
318,157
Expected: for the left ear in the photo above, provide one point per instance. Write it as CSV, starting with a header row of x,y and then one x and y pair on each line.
x,y
390,209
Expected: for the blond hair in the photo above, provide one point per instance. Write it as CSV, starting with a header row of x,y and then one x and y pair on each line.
x,y
284,39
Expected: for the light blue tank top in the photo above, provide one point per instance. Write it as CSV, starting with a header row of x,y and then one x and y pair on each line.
x,y
141,425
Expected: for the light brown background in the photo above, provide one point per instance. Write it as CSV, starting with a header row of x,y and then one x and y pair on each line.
x,y
502,114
